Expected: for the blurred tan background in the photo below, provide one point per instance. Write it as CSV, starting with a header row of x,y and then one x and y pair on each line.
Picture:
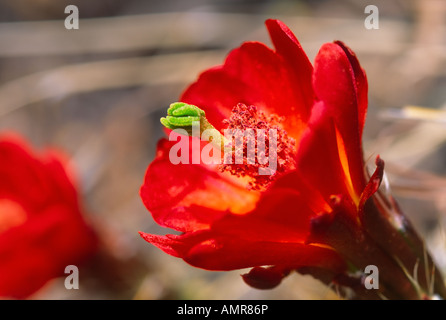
x,y
98,93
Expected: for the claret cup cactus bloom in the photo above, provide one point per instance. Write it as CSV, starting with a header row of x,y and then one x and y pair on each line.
x,y
43,225
291,192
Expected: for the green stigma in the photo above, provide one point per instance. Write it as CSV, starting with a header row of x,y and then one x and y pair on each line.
x,y
185,116
182,115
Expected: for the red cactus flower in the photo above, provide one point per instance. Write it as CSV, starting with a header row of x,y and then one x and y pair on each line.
x,y
42,229
308,215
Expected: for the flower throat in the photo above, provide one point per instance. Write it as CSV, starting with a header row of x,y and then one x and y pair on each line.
x,y
269,141
254,144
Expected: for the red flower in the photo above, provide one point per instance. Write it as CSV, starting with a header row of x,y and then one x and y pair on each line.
x,y
41,225
310,215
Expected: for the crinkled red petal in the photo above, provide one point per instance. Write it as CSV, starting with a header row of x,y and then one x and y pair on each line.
x,y
229,253
188,197
336,85
213,251
289,48
374,182
273,234
317,159
276,81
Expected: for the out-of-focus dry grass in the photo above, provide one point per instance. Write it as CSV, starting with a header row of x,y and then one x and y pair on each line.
x,y
98,93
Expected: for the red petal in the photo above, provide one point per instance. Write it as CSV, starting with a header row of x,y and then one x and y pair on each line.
x,y
60,178
374,182
281,215
189,197
54,233
276,81
217,92
229,253
294,181
360,82
36,178
41,248
26,169
289,48
225,252
175,245
318,160
273,234
336,86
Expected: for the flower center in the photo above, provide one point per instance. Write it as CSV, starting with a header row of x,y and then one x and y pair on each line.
x,y
259,147
12,214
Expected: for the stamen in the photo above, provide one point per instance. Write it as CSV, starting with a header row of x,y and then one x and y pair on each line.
x,y
254,144
276,146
